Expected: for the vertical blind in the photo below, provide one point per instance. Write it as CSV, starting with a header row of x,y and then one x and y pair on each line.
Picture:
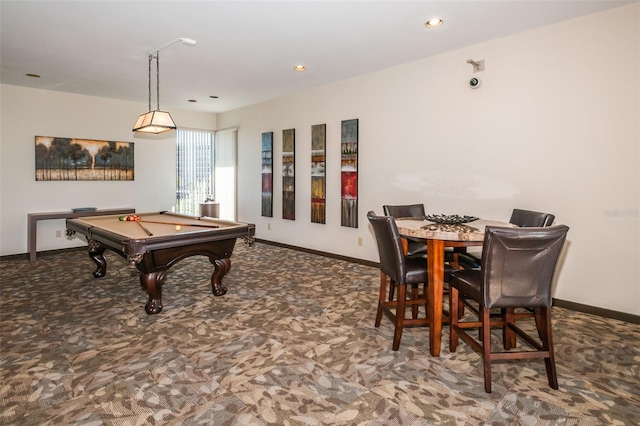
x,y
225,171
194,169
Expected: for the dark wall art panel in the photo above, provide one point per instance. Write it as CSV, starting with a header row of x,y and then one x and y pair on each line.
x,y
349,173
318,178
267,174
83,159
288,174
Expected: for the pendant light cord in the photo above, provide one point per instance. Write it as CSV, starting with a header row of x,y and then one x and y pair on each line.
x,y
158,79
150,82
151,57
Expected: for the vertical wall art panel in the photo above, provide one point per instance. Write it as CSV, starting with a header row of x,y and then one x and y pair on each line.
x,y
267,174
288,174
318,180
349,172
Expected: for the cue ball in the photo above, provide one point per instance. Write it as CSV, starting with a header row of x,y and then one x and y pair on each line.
x,y
178,227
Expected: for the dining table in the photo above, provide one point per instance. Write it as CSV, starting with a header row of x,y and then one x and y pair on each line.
x,y
438,236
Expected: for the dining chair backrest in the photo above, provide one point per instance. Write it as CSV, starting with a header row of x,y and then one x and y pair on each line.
x,y
528,218
392,261
415,247
406,210
518,265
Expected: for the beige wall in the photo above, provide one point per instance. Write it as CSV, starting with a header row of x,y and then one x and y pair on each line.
x,y
554,127
27,113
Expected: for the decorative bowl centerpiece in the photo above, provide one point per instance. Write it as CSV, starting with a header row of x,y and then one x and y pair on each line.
x,y
452,219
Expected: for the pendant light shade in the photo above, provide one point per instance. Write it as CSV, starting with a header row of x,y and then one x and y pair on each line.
x,y
154,121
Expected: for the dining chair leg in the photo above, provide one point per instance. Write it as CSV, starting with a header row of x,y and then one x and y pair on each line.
x,y
426,296
539,324
415,293
543,322
381,298
508,334
460,309
400,307
485,314
453,323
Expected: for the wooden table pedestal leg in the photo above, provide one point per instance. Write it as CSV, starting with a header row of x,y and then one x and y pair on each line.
x,y
435,272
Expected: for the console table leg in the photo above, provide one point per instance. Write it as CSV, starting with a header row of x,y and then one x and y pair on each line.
x,y
31,239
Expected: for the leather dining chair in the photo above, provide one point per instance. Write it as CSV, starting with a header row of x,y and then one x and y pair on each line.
x,y
415,246
517,269
529,218
519,217
405,210
524,219
398,271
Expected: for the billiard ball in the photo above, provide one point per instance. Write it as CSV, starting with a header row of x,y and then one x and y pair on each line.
x,y
178,227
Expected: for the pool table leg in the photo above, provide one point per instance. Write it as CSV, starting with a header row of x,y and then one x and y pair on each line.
x,y
96,253
221,266
152,283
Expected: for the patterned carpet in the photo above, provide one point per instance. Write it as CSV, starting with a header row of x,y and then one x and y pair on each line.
x,y
291,343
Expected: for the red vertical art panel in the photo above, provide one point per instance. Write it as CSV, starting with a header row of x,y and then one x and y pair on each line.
x,y
349,173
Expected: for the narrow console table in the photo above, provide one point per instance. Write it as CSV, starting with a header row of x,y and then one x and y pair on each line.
x,y
33,219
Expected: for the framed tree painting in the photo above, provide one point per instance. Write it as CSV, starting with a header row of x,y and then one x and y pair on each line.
x,y
318,178
267,174
83,159
288,174
349,173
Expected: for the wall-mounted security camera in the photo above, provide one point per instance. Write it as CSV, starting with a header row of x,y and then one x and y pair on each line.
x,y
474,82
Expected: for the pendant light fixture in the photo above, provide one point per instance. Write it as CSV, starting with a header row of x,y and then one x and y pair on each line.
x,y
154,121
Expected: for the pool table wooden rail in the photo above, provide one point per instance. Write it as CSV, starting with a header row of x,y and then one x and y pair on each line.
x,y
135,246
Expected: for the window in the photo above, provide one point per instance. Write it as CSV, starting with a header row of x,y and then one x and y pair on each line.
x,y
225,172
206,167
194,169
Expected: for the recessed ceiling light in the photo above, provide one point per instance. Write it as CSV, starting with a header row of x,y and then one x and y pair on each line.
x,y
434,22
213,97
300,68
33,75
192,100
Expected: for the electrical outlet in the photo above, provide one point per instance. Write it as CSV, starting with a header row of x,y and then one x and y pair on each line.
x,y
58,234
360,241
268,227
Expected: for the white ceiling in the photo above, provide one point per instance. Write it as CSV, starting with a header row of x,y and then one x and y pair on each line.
x,y
245,50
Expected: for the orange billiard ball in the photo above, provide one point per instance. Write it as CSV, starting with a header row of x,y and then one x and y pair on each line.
x,y
178,227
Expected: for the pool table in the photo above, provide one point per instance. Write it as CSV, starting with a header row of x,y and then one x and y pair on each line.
x,y
157,241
